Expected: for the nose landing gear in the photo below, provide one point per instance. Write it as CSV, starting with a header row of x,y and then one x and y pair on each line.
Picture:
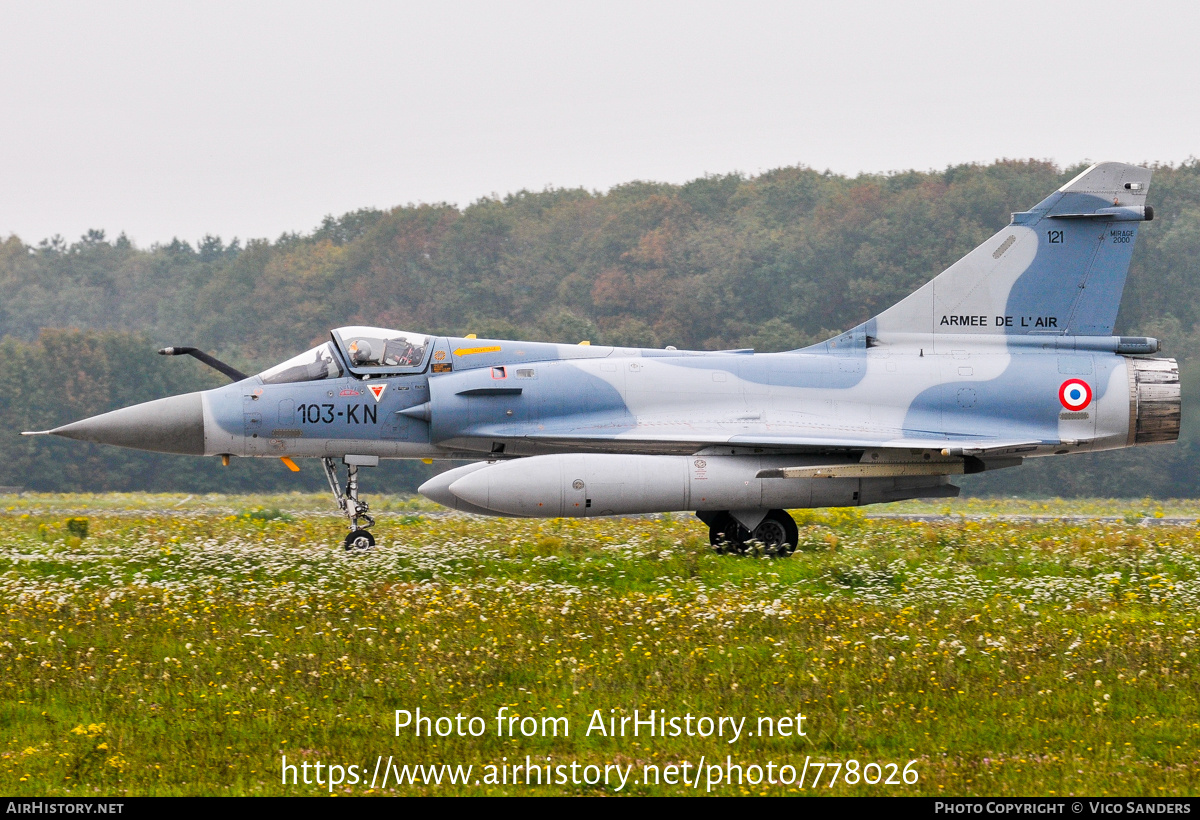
x,y
348,501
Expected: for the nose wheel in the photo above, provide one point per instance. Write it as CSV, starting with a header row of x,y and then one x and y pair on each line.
x,y
359,540
354,508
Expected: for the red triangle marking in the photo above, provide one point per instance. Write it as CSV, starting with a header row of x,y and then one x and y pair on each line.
x,y
377,390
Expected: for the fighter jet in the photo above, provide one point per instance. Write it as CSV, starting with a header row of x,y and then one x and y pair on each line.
x,y
1008,354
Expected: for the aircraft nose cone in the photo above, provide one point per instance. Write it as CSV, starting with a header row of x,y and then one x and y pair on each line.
x,y
171,425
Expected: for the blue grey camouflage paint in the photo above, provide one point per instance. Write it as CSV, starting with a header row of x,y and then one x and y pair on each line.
x,y
1008,354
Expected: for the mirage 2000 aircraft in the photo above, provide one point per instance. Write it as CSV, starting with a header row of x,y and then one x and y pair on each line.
x,y
1006,355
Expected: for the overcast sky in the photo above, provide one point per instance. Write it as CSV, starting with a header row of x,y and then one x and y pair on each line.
x,y
250,119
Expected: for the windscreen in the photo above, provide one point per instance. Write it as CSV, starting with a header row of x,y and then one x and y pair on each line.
x,y
312,365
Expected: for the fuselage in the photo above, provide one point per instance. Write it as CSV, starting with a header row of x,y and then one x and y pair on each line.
x,y
505,398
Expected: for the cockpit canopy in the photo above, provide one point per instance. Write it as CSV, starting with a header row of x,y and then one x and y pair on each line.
x,y
376,350
368,351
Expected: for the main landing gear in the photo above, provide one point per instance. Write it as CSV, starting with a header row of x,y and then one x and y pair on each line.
x,y
347,499
776,534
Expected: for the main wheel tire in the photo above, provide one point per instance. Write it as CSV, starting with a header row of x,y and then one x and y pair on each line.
x,y
777,533
359,540
726,535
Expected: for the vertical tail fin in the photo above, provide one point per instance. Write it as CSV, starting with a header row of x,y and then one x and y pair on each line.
x,y
1058,268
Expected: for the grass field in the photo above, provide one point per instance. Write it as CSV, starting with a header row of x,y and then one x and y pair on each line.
x,y
155,644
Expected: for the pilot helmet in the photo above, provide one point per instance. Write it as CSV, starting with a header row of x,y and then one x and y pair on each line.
x,y
360,351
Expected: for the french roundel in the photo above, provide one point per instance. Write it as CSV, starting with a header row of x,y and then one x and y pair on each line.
x,y
1075,394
